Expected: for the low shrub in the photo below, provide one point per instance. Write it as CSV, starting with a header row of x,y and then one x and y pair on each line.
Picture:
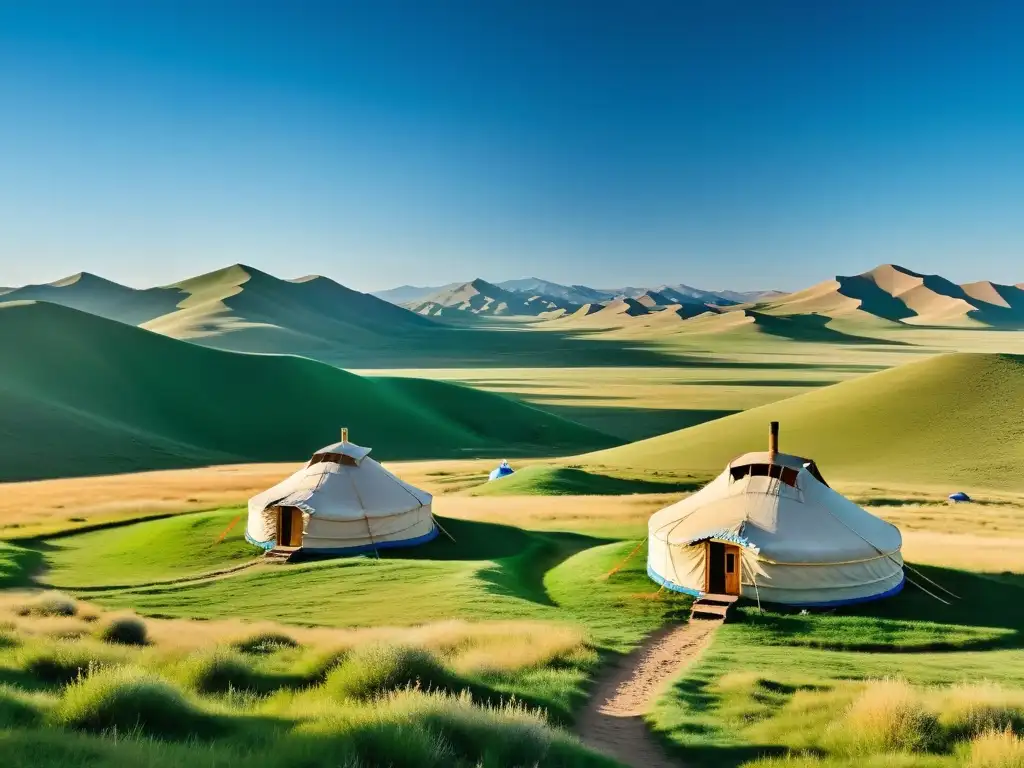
x,y
967,711
888,716
63,663
996,749
124,630
128,700
219,671
266,643
49,604
378,669
432,729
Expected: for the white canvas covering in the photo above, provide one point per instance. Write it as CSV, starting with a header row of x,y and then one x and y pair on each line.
x,y
800,544
349,503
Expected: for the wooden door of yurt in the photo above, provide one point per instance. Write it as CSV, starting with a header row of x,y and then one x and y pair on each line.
x,y
289,527
722,569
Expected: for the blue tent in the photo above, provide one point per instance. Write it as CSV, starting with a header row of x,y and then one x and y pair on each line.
x,y
958,497
502,470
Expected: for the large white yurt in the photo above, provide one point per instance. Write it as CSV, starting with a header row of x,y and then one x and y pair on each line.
x,y
769,528
341,502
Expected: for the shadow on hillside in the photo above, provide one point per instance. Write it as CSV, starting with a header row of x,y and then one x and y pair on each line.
x,y
518,559
982,602
692,692
628,423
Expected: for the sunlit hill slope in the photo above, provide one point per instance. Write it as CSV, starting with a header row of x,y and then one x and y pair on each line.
x,y
83,395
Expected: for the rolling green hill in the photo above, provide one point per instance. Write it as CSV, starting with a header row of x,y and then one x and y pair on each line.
x,y
82,395
954,420
243,309
99,296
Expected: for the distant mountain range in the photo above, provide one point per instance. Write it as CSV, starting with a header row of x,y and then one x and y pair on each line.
x,y
888,294
479,297
240,308
577,295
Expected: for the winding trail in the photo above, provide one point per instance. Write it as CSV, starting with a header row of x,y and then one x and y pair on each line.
x,y
613,722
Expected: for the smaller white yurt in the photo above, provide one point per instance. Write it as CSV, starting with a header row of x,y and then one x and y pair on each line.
x,y
769,528
341,502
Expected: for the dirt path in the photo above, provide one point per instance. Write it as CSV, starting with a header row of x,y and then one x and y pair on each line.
x,y
613,720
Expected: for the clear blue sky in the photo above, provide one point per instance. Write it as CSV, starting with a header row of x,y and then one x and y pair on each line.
x,y
716,142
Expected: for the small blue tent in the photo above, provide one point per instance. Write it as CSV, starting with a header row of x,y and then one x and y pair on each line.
x,y
502,470
959,497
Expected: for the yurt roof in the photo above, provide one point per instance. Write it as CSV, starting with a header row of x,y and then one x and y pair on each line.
x,y
333,490
802,522
764,457
355,452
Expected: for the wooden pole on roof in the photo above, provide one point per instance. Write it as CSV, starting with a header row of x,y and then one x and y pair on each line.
x,y
773,441
344,434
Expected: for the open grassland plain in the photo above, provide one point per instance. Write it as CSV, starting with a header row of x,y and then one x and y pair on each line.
x,y
476,651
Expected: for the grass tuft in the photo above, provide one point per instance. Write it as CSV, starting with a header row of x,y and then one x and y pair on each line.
x,y
49,604
380,669
996,749
61,663
124,630
887,717
128,700
266,643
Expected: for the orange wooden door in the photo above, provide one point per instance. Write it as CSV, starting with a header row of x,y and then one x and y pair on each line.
x,y
296,527
732,570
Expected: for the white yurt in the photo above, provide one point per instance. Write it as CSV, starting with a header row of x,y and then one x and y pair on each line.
x,y
341,502
769,528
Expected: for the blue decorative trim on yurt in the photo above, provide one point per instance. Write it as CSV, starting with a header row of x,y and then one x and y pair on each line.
x,y
268,545
720,535
667,584
853,600
653,575
433,534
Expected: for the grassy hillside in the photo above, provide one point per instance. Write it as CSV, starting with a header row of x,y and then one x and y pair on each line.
x,y
568,481
82,395
953,420
98,296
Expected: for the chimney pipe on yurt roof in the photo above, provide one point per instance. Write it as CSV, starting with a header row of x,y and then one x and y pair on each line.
x,y
773,441
344,434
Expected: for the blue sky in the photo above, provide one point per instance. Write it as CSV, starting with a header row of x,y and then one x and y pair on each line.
x,y
715,142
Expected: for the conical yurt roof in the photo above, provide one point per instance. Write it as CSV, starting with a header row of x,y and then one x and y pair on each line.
x,y
341,482
803,521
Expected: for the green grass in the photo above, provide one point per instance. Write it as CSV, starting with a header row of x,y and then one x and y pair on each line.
x,y
84,395
490,572
568,481
156,550
946,421
377,705
775,684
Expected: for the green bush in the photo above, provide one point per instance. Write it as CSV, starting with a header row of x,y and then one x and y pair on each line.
x,y
219,671
128,700
124,630
49,604
378,669
63,663
266,643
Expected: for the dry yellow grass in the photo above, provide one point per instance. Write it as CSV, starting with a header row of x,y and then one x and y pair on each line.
x,y
996,749
42,507
466,646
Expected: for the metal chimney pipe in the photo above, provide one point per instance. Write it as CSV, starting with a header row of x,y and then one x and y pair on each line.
x,y
773,441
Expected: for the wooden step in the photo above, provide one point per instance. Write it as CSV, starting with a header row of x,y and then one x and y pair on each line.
x,y
712,606
280,554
